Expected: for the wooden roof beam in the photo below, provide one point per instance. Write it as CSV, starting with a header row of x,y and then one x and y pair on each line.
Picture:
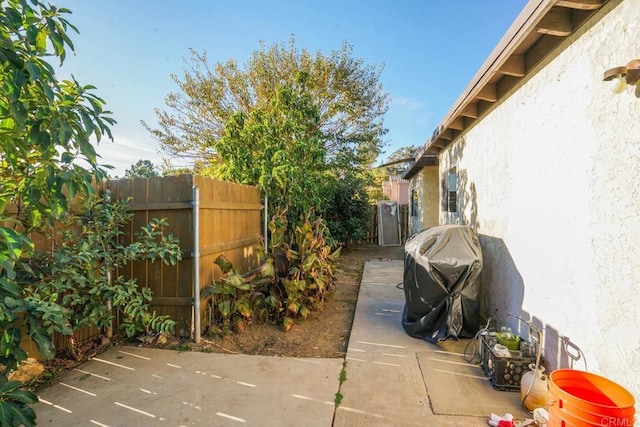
x,y
457,124
514,66
447,135
556,23
488,93
580,4
471,110
439,143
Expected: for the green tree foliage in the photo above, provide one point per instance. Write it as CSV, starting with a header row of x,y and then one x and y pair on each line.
x,y
290,122
169,169
45,126
46,160
347,208
141,169
347,94
395,164
374,188
400,159
279,148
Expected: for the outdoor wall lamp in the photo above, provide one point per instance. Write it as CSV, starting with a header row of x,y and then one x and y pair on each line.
x,y
621,78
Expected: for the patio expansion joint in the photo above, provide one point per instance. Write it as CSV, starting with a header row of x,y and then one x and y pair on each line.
x,y
424,384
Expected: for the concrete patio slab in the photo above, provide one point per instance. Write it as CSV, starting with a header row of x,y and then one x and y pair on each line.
x,y
456,387
130,386
391,380
396,380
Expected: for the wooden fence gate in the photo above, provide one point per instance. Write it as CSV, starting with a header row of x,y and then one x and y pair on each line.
x,y
372,234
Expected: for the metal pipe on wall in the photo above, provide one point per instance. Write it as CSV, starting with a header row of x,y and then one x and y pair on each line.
x,y
266,223
109,331
196,263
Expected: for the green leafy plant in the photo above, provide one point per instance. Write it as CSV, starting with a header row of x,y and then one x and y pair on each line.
x,y
305,263
14,404
234,300
343,376
294,279
46,129
342,379
182,347
278,146
346,209
81,275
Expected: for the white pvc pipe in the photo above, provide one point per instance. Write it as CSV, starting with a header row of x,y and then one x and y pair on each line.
x,y
196,263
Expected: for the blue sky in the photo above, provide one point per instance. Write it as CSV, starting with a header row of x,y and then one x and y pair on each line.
x,y
430,50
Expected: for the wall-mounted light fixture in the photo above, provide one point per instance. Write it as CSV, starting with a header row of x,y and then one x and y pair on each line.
x,y
621,78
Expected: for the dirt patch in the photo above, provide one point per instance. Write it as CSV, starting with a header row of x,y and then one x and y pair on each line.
x,y
324,333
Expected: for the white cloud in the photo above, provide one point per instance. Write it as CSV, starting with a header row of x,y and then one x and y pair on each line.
x,y
406,103
123,152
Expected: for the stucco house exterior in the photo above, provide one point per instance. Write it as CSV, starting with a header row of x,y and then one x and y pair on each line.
x,y
396,188
542,159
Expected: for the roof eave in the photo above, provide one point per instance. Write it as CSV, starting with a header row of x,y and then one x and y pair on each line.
x,y
537,30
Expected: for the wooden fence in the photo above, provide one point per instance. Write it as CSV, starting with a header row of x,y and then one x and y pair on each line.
x,y
229,223
372,234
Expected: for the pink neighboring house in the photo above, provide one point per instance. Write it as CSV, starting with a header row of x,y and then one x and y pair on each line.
x,y
396,189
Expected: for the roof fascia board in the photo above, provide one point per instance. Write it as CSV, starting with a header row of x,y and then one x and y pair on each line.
x,y
524,24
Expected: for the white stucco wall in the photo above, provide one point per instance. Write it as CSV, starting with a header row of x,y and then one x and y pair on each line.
x,y
550,179
425,183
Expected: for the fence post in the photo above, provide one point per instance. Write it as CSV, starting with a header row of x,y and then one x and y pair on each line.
x,y
196,262
266,223
109,332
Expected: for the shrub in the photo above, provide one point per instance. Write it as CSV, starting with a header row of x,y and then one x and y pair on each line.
x,y
294,279
304,262
346,211
80,275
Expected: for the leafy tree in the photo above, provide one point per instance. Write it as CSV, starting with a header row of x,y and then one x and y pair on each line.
x,y
278,147
400,159
347,94
169,169
395,164
374,188
347,208
289,121
141,169
46,159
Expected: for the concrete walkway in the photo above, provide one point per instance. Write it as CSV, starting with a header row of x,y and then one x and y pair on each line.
x,y
391,380
396,380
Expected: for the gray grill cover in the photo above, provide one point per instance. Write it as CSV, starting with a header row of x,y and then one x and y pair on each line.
x,y
442,295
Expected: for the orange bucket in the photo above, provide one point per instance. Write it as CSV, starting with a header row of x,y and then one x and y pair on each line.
x,y
582,399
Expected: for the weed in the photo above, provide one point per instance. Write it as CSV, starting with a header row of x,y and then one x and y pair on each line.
x,y
343,376
337,400
183,347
